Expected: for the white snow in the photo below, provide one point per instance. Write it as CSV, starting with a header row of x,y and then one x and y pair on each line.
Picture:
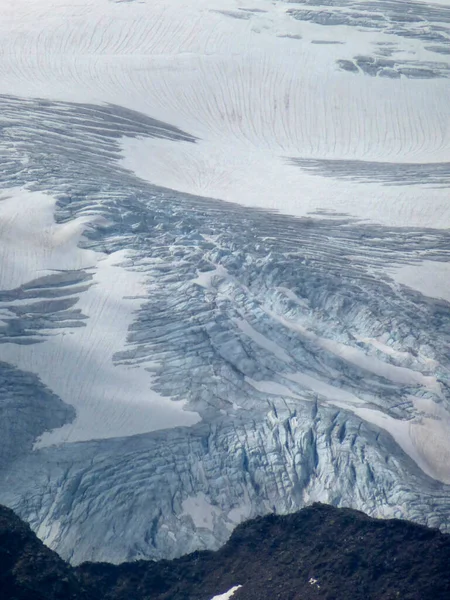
x,y
431,278
331,392
77,364
380,345
205,279
32,244
262,340
242,512
253,96
424,438
228,594
250,94
201,511
271,387
49,531
357,357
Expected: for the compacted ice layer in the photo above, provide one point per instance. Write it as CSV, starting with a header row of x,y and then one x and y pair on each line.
x,y
140,496
77,363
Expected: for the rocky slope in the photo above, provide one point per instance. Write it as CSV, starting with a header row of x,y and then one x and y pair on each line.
x,y
31,571
318,553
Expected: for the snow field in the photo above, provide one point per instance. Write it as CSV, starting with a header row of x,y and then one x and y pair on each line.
x,y
228,594
77,364
253,96
256,92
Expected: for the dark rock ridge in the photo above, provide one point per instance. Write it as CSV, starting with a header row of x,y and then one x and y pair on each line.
x,y
320,552
31,571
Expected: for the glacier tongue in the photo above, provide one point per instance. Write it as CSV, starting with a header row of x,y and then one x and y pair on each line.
x,y
172,363
316,376
169,493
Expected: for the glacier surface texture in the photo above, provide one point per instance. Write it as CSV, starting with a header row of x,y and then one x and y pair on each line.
x,y
224,266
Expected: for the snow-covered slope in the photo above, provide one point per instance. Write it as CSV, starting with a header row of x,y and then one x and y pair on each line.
x,y
224,260
228,594
259,83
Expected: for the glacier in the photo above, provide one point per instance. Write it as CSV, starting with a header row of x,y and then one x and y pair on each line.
x,y
223,283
